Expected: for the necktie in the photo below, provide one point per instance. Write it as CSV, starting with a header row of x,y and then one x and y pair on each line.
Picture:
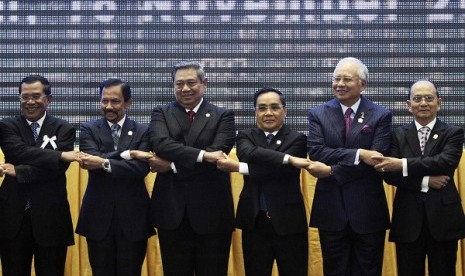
x,y
191,114
347,119
269,137
262,201
423,138
34,127
115,135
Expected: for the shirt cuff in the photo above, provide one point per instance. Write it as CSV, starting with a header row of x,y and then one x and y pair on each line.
x,y
286,159
424,184
357,158
200,157
243,168
404,167
173,167
126,155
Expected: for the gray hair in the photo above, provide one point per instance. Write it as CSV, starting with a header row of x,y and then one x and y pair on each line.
x,y
362,70
187,65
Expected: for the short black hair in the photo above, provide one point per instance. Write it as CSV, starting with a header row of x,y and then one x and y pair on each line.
x,y
267,90
414,82
125,88
37,78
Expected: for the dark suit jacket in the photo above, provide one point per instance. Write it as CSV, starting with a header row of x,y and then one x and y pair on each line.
x,y
280,183
355,193
122,192
40,177
442,155
198,189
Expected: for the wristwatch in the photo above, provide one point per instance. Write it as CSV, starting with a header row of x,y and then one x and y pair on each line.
x,y
106,165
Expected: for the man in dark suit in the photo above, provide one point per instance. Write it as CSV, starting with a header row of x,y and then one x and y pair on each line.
x,y
428,217
349,207
34,210
192,205
114,215
271,210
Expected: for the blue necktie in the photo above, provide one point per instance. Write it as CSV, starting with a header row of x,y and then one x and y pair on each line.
x,y
269,137
34,127
115,135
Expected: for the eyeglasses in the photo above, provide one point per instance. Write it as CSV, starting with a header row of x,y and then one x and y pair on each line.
x,y
344,79
190,84
34,97
419,99
273,108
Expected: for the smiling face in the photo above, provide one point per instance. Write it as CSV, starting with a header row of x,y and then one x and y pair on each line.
x,y
188,88
34,101
424,103
347,84
113,105
269,112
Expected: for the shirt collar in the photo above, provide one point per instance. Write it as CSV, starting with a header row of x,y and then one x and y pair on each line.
x,y
120,123
430,125
40,121
354,107
196,108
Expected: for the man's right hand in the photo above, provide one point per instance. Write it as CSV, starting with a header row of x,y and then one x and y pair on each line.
x,y
438,181
213,156
366,156
70,156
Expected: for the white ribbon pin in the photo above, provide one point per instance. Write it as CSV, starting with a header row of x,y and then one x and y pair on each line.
x,y
49,140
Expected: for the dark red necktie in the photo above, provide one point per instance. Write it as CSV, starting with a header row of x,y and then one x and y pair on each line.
x,y
347,119
191,114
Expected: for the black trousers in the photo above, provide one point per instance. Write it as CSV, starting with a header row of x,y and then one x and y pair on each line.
x,y
442,255
17,254
184,252
263,245
115,254
348,253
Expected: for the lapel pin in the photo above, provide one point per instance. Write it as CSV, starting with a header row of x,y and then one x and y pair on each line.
x,y
362,116
207,115
130,133
435,136
278,142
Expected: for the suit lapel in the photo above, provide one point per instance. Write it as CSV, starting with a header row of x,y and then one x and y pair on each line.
x,y
104,135
436,132
204,114
336,119
364,113
179,114
259,138
26,131
46,129
411,136
127,133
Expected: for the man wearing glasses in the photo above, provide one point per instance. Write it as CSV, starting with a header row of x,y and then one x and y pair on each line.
x,y
34,211
192,205
427,218
271,210
349,207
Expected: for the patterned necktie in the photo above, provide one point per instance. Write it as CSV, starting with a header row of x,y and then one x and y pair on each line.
x,y
347,119
423,138
269,137
34,127
191,114
115,135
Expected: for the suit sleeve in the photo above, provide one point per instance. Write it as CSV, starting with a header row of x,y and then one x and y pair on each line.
x,y
443,163
176,151
39,169
120,168
342,159
19,152
267,163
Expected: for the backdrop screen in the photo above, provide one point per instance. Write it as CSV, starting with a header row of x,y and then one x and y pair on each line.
x,y
245,45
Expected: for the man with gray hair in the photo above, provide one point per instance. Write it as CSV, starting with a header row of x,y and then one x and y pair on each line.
x,y
349,207
192,205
